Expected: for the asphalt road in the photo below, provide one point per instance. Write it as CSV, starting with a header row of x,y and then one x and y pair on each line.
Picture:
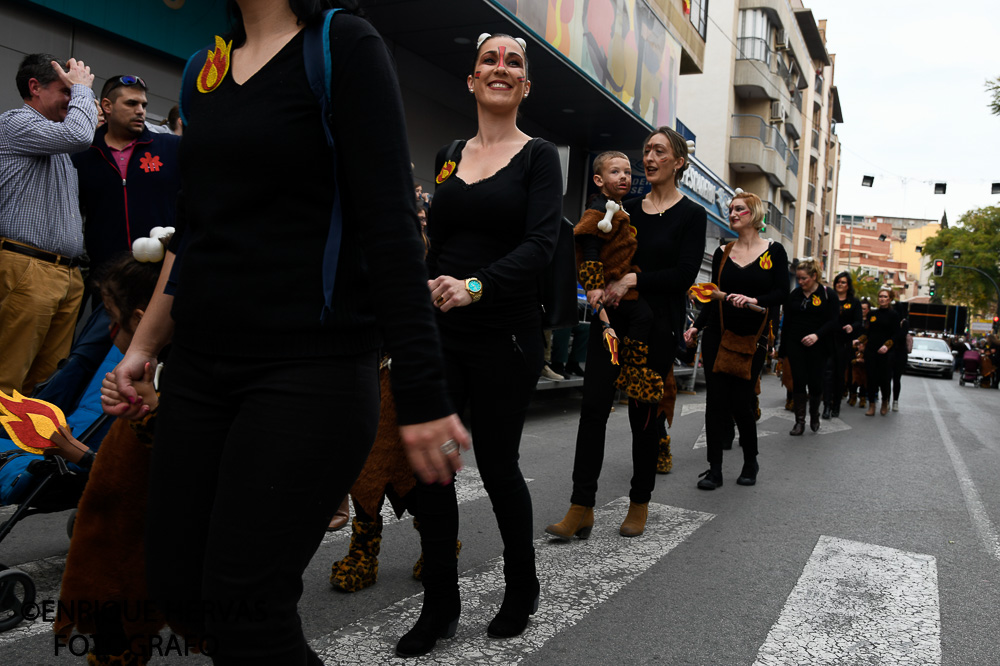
x,y
874,541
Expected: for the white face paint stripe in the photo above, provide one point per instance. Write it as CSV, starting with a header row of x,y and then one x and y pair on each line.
x,y
576,578
977,510
856,603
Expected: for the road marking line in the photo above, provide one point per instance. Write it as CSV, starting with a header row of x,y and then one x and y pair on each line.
x,y
576,578
828,427
468,487
977,510
856,603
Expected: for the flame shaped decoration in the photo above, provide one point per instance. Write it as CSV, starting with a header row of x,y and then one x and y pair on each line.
x,y
446,171
216,66
703,291
816,301
29,422
611,344
765,260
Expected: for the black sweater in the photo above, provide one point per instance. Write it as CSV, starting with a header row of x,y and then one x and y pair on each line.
x,y
258,188
502,230
765,278
670,252
883,328
848,314
805,315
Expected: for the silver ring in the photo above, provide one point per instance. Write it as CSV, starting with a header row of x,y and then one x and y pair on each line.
x,y
449,447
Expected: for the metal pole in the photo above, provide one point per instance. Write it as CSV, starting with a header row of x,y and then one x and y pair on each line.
x,y
987,276
694,375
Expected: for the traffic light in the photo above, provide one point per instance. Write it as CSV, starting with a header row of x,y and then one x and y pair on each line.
x,y
996,319
930,291
938,267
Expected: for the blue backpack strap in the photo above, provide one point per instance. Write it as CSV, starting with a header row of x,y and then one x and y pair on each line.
x,y
319,69
189,80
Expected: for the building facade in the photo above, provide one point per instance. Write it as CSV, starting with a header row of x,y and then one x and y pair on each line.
x,y
764,115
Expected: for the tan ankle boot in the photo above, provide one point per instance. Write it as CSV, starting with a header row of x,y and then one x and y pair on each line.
x,y
885,408
871,409
635,521
579,521
342,515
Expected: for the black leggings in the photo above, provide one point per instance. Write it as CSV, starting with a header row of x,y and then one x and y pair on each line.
x,y
837,367
252,458
729,400
879,367
647,429
807,368
897,381
494,377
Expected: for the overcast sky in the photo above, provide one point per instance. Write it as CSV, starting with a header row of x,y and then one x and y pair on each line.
x,y
911,78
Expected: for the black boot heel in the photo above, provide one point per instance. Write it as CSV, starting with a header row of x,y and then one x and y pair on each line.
x,y
512,619
424,636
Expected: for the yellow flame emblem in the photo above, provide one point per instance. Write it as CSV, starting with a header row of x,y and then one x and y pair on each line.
x,y
765,261
816,301
447,169
216,66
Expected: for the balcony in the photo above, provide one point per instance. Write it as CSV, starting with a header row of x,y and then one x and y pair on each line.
x,y
793,124
773,217
756,75
787,228
793,162
818,87
791,191
811,198
753,149
814,146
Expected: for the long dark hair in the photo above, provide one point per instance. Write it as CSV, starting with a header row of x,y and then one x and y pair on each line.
x,y
306,11
850,283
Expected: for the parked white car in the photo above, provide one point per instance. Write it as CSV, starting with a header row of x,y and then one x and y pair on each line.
x,y
931,355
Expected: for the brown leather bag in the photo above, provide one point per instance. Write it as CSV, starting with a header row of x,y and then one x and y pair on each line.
x,y
735,355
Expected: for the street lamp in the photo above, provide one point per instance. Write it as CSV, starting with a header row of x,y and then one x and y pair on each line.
x,y
956,255
867,181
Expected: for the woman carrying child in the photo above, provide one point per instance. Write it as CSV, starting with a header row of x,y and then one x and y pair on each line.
x,y
750,271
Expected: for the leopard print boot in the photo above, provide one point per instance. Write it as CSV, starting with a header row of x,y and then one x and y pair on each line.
x,y
664,459
360,568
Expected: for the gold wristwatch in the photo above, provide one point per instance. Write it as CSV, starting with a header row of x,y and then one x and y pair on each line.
x,y
474,286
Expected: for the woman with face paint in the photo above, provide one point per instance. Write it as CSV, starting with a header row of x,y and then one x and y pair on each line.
x,y
848,328
807,339
750,271
492,230
883,334
670,232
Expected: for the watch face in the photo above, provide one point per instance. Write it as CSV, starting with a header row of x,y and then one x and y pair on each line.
x,y
475,286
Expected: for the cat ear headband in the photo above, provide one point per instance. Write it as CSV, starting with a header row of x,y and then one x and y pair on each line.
x,y
152,249
483,37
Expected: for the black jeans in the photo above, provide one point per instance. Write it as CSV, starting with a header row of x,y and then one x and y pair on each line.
x,y
729,400
493,375
879,368
836,370
807,368
252,458
647,429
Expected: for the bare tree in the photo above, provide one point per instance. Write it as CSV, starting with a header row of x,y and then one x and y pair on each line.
x,y
993,88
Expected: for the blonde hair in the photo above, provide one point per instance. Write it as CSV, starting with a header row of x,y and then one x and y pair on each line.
x,y
887,289
810,266
756,206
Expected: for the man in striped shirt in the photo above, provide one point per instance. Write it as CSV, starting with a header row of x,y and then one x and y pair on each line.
x,y
41,230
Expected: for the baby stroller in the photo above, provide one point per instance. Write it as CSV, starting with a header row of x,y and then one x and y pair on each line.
x,y
971,368
38,484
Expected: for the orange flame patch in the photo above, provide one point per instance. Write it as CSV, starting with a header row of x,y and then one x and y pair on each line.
x,y
765,260
216,66
816,301
446,171
611,344
703,291
29,422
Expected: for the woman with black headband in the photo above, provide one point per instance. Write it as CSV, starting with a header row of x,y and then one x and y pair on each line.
x,y
848,328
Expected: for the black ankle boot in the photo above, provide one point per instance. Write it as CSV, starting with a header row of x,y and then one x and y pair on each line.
x,y
711,478
827,412
835,410
748,477
520,600
437,620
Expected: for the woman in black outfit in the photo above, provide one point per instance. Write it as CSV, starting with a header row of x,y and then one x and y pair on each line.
x,y
807,340
750,271
900,356
670,230
848,328
492,229
880,339
267,413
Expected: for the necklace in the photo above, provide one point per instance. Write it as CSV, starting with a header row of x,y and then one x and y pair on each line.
x,y
659,212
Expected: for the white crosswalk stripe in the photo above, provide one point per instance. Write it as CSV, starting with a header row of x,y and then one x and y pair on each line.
x,y
856,603
828,427
576,578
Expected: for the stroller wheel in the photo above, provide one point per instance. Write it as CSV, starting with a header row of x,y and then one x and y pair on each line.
x,y
17,593
70,522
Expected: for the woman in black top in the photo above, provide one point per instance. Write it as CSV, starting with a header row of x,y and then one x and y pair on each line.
x,y
670,230
880,339
848,328
267,413
807,340
492,230
900,357
755,272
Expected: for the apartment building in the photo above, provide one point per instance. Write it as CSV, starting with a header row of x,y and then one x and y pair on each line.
x,y
764,114
884,248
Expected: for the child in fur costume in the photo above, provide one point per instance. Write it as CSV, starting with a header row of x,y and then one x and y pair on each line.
x,y
106,560
604,251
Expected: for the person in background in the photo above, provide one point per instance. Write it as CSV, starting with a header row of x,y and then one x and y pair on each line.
x,y
900,355
174,123
881,337
848,328
41,229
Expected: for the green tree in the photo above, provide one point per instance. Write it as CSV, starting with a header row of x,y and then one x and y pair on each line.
x,y
993,88
865,286
977,238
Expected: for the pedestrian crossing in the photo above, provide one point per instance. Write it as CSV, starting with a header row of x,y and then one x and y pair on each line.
x,y
829,426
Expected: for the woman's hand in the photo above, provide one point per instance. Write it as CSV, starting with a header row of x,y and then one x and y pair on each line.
x,y
118,395
66,445
448,292
848,329
691,336
810,340
740,301
423,442
883,350
594,298
615,291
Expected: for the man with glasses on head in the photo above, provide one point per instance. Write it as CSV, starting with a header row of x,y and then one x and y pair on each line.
x,y
41,234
